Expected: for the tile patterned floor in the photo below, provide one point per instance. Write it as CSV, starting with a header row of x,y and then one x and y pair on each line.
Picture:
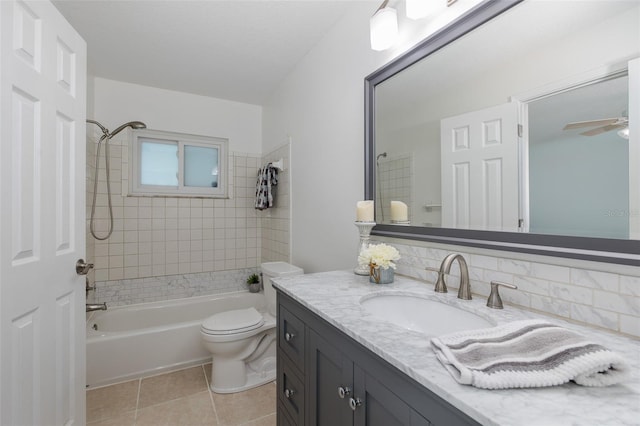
x,y
179,398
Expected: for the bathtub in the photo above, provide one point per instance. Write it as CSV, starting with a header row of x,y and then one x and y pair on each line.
x,y
128,342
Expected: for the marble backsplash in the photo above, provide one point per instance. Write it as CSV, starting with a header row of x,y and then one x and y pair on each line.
x,y
167,287
602,299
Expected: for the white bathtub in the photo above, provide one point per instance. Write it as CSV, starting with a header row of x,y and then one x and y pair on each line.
x,y
128,342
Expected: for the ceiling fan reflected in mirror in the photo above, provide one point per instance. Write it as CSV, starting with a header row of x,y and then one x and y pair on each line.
x,y
601,126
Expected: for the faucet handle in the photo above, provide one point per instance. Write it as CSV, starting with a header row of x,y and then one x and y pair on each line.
x,y
494,300
441,287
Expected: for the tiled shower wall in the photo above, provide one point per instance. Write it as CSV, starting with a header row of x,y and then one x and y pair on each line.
x,y
395,179
185,237
275,222
602,299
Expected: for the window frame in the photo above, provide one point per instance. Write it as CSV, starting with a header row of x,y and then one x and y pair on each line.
x,y
136,188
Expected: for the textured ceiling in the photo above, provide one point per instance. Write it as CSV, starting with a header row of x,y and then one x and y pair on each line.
x,y
237,50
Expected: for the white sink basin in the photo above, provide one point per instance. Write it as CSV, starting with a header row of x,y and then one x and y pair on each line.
x,y
426,316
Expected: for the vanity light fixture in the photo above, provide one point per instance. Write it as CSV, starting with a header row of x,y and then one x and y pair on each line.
x,y
383,27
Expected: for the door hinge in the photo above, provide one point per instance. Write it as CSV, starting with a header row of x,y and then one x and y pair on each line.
x,y
520,223
520,130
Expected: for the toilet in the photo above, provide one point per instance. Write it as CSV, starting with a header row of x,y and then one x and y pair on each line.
x,y
243,342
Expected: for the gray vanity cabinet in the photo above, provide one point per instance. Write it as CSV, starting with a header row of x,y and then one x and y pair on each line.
x,y
325,378
345,394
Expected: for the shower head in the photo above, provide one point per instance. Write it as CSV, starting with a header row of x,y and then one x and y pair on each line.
x,y
105,131
132,124
383,155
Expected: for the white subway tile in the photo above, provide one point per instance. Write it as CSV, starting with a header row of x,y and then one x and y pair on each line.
x,y
630,285
623,304
516,267
484,262
571,293
630,325
497,276
550,272
595,279
532,285
597,317
551,305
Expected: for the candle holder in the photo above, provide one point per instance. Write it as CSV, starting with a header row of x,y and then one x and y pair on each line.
x,y
365,231
400,222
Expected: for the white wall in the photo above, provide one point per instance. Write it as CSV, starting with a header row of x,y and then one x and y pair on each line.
x,y
320,105
116,103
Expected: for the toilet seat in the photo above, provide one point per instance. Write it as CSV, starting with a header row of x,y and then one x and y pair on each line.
x,y
233,322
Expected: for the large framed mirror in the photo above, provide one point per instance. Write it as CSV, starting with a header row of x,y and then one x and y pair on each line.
x,y
514,128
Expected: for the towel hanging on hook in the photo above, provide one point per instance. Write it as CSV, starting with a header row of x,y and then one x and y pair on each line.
x,y
267,178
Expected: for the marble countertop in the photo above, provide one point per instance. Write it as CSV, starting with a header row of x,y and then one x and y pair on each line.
x,y
335,296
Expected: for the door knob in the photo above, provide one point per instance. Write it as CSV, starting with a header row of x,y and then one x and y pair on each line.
x,y
289,393
82,267
289,336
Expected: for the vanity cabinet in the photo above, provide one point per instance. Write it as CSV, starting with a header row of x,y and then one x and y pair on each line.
x,y
325,378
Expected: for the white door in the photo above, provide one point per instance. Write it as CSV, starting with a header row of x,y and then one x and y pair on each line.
x,y
42,230
634,149
480,169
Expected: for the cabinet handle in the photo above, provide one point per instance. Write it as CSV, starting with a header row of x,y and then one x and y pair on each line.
x,y
289,336
343,391
355,403
289,393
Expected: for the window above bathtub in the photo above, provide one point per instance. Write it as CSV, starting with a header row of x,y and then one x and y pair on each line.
x,y
174,164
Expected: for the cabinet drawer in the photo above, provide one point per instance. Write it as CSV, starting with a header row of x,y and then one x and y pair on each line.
x,y
291,336
290,392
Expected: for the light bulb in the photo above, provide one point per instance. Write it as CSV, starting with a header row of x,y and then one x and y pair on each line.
x,y
384,28
624,133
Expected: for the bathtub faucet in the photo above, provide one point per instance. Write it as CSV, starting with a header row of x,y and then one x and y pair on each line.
x,y
96,307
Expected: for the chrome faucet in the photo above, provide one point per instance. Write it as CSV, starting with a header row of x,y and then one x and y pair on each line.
x,y
96,307
464,290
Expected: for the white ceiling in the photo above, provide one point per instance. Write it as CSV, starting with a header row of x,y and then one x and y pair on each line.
x,y
238,50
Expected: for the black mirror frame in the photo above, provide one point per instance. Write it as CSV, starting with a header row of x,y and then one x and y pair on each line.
x,y
625,252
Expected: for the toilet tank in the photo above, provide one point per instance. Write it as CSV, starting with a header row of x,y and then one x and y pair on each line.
x,y
275,270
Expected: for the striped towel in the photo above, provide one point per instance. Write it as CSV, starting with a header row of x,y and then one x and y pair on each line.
x,y
524,354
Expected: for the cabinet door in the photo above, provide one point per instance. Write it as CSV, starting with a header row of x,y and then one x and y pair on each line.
x,y
327,371
376,405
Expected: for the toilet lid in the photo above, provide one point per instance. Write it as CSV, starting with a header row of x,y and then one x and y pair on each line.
x,y
235,321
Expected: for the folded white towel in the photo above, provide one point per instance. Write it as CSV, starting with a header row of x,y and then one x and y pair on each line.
x,y
525,354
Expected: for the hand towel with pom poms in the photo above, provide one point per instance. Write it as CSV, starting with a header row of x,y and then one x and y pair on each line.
x,y
530,353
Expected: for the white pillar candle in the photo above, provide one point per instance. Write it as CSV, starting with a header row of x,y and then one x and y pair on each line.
x,y
364,211
399,211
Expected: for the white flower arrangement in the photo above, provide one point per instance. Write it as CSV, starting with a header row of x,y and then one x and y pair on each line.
x,y
379,255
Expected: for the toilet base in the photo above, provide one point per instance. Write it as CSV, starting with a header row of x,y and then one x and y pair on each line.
x,y
256,375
